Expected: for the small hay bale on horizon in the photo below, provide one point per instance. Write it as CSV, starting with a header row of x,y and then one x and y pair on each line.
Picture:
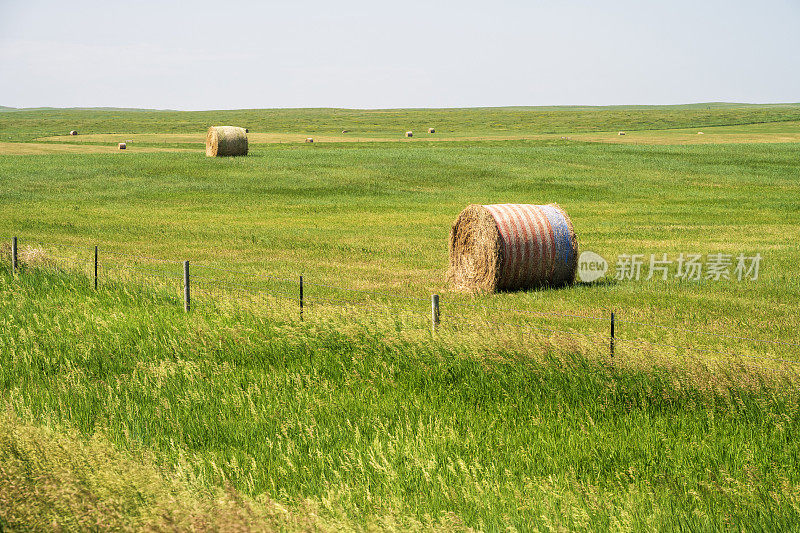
x,y
345,131
73,132
309,139
621,133
506,247
431,130
226,141
700,133
409,134
122,146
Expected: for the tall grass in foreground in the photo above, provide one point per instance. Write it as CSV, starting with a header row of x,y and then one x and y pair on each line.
x,y
57,480
371,429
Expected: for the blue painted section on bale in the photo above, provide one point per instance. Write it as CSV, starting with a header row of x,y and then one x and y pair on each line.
x,y
560,234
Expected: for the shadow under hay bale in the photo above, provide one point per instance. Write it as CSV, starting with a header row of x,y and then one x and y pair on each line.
x,y
226,141
506,247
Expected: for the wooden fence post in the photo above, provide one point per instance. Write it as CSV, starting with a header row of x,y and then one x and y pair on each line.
x,y
186,292
434,312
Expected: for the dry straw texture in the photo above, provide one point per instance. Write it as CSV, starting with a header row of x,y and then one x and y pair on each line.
x,y
226,140
507,247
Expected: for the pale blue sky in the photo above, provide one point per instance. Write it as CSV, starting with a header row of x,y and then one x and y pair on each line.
x,y
407,53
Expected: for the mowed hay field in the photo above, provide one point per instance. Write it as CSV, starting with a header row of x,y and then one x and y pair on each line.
x,y
358,417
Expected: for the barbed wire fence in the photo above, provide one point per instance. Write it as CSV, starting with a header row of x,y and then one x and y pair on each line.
x,y
182,276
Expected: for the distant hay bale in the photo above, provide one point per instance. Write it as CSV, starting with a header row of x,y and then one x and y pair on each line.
x,y
621,133
431,130
700,133
73,132
309,139
409,134
226,141
345,131
504,247
122,146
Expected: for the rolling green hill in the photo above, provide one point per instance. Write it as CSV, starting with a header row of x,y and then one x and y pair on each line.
x,y
30,124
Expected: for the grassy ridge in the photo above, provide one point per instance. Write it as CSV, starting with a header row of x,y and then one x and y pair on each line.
x,y
385,431
27,125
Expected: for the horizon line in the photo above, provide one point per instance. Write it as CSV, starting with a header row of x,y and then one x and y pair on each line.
x,y
289,108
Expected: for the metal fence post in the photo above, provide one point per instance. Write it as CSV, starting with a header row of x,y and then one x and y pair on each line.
x,y
301,297
186,292
13,255
95,267
611,346
434,312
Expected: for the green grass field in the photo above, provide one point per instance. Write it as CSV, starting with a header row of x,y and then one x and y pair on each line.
x,y
358,417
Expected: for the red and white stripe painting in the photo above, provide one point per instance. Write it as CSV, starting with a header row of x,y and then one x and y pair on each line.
x,y
529,244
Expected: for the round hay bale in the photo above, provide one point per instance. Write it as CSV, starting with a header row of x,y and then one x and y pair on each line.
x,y
345,131
409,134
431,130
621,133
506,247
225,141
73,132
309,139
122,146
700,133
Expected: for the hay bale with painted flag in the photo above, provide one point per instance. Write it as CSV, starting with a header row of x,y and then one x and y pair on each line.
x,y
507,247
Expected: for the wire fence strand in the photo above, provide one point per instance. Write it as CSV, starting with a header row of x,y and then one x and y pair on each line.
x,y
703,350
712,333
529,326
527,311
245,287
148,266
639,346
